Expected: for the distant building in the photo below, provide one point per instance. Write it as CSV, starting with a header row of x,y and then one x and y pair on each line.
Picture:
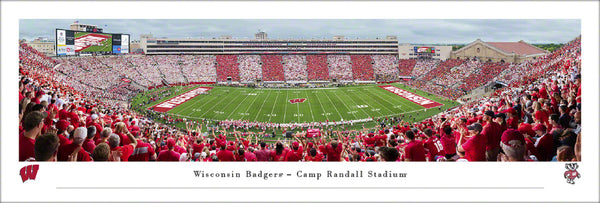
x,y
261,35
85,27
144,41
134,46
43,45
509,52
411,51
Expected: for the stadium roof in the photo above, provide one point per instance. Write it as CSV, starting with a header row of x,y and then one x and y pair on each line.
x,y
520,48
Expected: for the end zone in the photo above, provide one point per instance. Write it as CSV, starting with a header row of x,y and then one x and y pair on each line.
x,y
178,100
415,98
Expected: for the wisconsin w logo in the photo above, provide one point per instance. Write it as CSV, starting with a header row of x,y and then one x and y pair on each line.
x,y
29,172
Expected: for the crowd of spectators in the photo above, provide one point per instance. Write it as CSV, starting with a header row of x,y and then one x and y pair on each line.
x,y
272,68
406,66
485,74
199,68
227,66
170,67
385,67
442,69
250,68
423,66
295,67
148,69
457,74
317,68
536,118
362,67
340,67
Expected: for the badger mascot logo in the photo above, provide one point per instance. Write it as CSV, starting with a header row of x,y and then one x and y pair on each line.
x,y
571,172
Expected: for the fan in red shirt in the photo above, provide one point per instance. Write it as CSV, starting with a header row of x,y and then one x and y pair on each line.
x,y
124,151
313,156
62,126
474,148
492,133
225,154
32,124
279,153
433,146
249,155
169,154
46,147
64,151
544,144
513,145
448,142
513,119
88,145
414,151
122,131
295,154
143,151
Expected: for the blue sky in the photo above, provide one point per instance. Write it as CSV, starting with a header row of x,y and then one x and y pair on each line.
x,y
427,31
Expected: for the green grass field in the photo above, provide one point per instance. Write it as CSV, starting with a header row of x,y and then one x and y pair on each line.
x,y
272,105
105,47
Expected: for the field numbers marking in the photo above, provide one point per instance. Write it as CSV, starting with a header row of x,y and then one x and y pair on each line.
x,y
218,112
326,114
362,106
352,112
271,115
375,109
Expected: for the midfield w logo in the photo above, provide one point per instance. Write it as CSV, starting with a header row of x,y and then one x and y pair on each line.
x,y
29,172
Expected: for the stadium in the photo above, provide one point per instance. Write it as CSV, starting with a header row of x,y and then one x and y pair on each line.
x,y
294,100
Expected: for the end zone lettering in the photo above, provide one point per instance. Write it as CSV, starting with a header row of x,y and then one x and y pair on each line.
x,y
422,101
178,100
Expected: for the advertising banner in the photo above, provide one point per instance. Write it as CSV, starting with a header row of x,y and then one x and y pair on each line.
x,y
61,50
70,50
125,44
60,37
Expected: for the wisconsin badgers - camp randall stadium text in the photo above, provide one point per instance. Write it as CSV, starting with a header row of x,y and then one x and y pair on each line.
x,y
266,175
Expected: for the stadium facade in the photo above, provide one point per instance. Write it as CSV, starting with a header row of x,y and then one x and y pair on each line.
x,y
509,52
388,46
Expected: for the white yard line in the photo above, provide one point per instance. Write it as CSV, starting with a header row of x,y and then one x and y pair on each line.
x,y
334,106
260,109
287,99
345,104
211,108
273,107
309,107
250,106
362,109
248,94
324,112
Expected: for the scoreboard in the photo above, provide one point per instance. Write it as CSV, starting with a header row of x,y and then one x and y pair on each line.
x,y
430,50
70,42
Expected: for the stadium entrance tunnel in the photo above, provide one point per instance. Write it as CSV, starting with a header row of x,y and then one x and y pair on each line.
x,y
497,85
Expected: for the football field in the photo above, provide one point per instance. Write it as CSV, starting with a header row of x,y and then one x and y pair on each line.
x,y
300,105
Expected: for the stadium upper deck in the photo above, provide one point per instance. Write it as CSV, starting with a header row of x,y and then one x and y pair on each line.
x,y
268,46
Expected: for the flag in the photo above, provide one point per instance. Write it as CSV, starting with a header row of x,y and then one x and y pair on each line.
x,y
76,21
